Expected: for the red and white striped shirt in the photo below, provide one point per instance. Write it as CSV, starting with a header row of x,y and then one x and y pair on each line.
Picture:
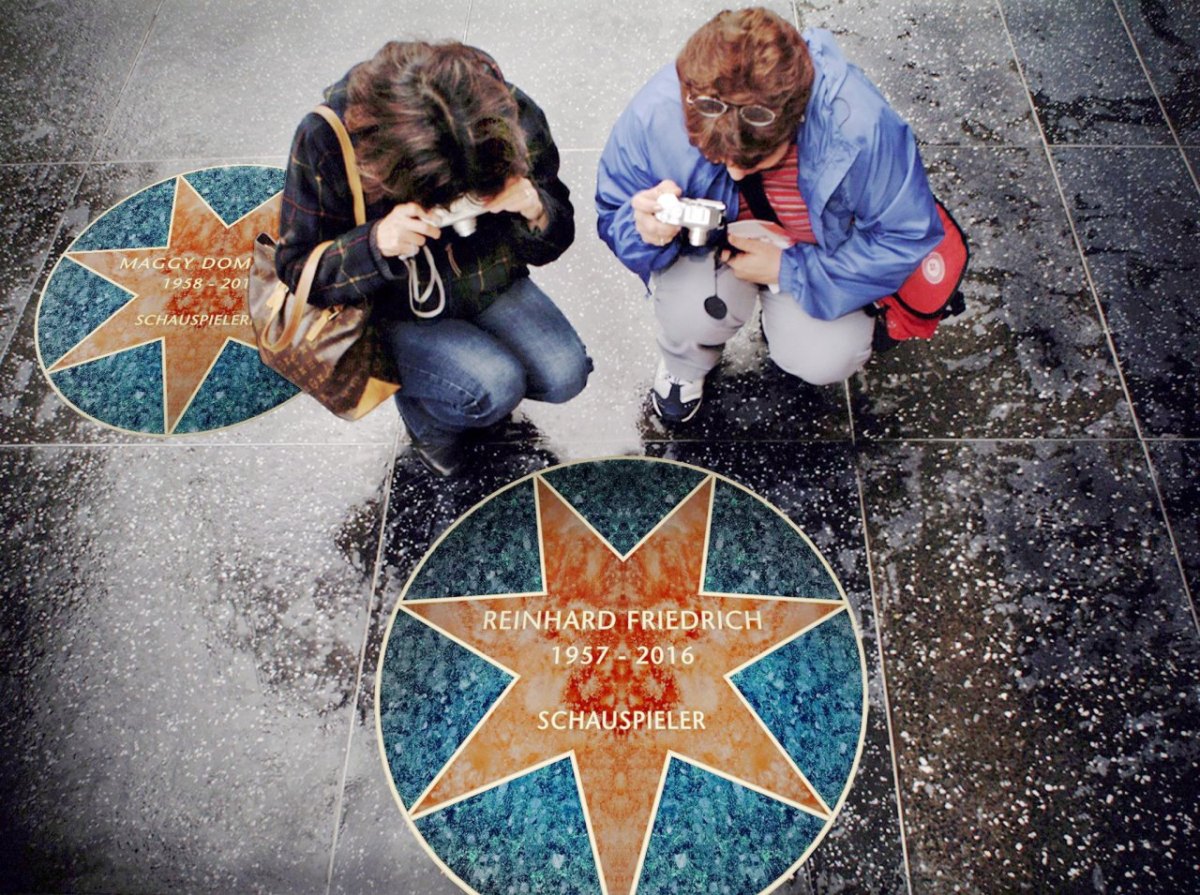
x,y
779,183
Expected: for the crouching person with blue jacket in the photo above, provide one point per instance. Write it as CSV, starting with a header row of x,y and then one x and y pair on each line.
x,y
825,196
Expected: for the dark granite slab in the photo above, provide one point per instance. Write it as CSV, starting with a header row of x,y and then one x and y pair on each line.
x,y
1138,217
1191,156
1176,463
35,197
238,80
1083,73
945,67
1029,358
1042,666
1167,36
181,635
64,66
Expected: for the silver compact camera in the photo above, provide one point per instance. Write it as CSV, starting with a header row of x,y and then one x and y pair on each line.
x,y
697,216
459,214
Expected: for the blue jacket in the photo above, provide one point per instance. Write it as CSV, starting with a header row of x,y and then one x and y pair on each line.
x,y
872,212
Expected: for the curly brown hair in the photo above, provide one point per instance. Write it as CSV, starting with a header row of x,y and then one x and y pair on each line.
x,y
433,121
745,57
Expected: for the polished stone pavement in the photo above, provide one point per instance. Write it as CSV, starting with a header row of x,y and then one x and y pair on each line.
x,y
190,626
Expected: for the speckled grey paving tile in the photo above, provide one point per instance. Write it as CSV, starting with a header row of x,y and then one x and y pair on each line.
x,y
1029,357
64,65
1176,463
181,632
34,199
32,412
946,67
1138,216
591,58
813,483
376,849
1083,73
223,78
1167,35
1042,667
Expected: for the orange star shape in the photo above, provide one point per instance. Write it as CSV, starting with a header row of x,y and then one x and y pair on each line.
x,y
623,688
189,294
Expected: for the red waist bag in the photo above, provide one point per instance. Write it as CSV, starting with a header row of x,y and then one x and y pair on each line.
x,y
929,295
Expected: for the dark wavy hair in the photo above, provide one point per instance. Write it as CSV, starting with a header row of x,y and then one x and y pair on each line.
x,y
745,57
433,121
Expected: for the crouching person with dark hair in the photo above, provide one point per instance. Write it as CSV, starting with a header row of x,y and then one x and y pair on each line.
x,y
460,178
825,196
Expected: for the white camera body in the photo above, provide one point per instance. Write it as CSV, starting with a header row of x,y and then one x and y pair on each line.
x,y
460,214
697,216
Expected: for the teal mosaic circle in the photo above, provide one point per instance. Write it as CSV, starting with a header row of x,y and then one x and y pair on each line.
x,y
573,695
142,324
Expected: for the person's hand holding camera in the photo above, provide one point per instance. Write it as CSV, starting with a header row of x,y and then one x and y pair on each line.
x,y
520,196
404,230
645,204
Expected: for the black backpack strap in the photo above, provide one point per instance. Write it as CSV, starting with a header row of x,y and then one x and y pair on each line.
x,y
751,188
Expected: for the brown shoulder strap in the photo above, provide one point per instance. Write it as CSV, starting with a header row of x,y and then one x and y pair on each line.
x,y
360,208
300,296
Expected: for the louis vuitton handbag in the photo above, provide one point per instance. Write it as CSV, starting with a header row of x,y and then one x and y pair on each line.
x,y
333,354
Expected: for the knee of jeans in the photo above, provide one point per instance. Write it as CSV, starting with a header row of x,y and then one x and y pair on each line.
x,y
813,370
497,397
567,379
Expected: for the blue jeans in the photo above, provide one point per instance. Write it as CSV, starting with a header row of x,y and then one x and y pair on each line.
x,y
465,374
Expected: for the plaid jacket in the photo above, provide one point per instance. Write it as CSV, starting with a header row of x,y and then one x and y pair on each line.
x,y
317,206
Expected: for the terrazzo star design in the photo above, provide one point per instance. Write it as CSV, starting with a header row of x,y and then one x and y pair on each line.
x,y
625,668
184,294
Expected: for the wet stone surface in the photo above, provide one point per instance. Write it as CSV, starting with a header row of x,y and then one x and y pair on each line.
x,y
815,485
1167,36
1042,667
246,78
177,694
65,64
945,67
35,197
1138,217
1029,356
1176,462
190,628
1083,72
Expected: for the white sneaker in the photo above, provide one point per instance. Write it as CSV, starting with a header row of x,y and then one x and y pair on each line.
x,y
675,400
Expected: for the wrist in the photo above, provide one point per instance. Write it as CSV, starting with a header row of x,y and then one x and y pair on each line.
x,y
540,221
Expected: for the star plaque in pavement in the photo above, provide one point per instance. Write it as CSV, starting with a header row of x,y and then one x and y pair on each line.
x,y
179,293
623,663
